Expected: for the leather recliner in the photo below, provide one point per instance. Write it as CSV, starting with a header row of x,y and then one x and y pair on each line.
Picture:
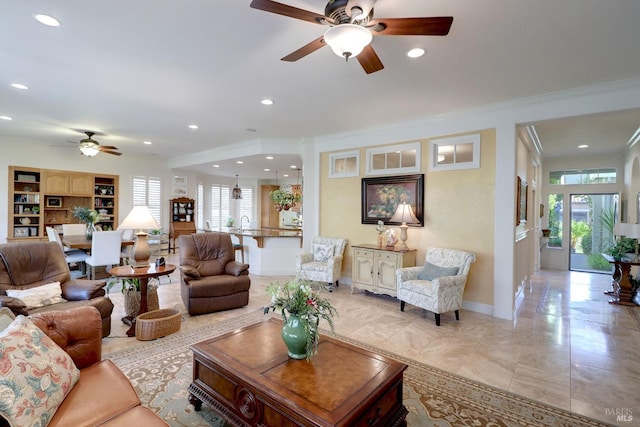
x,y
211,279
26,265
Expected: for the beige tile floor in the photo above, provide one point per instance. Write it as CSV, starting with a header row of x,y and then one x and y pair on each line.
x,y
567,346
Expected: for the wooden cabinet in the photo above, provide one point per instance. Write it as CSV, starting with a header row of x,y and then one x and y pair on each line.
x,y
65,183
25,208
374,268
47,198
182,219
269,217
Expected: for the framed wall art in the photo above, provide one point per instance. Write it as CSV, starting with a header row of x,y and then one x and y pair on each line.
x,y
54,202
381,196
521,201
180,186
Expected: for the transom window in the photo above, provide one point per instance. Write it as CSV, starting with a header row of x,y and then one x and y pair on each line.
x,y
393,159
583,176
462,152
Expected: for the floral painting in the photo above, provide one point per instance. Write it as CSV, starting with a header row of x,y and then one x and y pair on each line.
x,y
381,196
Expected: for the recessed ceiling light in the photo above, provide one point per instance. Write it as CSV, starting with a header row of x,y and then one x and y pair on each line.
x,y
19,86
267,170
269,157
146,142
193,126
240,162
415,53
216,166
583,146
47,20
293,167
267,102
5,118
286,175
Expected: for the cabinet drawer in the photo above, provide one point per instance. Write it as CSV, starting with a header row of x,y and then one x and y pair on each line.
x,y
388,257
363,253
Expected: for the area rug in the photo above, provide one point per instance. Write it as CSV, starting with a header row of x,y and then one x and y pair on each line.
x,y
161,372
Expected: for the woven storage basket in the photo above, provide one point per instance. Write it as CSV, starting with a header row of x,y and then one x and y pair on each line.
x,y
157,323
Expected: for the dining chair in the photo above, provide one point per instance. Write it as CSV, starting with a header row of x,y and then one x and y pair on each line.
x,y
72,256
74,229
105,250
125,250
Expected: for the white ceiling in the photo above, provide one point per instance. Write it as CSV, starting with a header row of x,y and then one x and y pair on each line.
x,y
145,69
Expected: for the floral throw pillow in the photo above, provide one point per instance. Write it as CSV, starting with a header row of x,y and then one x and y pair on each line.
x,y
322,253
35,374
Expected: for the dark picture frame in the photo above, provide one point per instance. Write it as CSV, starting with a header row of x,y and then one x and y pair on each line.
x,y
522,199
54,202
380,197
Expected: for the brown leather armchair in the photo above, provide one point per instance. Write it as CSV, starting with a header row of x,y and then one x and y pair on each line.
x,y
27,265
211,279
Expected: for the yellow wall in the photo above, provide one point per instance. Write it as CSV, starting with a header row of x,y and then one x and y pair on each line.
x,y
458,206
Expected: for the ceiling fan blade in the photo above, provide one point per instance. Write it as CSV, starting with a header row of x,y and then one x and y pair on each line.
x,y
116,153
305,50
369,60
286,10
109,147
436,26
364,5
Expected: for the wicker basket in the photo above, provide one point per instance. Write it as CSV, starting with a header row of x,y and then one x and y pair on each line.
x,y
157,323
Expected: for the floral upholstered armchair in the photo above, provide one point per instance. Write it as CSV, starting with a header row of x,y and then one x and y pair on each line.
x,y
438,285
325,263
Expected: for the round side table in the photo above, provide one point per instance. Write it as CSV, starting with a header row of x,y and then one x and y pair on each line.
x,y
144,274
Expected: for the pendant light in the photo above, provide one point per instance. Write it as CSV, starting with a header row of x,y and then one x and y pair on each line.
x,y
236,193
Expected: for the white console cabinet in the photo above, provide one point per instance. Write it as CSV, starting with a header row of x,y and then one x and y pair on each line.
x,y
374,268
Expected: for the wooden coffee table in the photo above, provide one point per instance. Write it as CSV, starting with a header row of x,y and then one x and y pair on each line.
x,y
247,377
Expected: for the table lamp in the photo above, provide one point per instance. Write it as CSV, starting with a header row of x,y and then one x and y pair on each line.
x,y
140,218
404,214
633,232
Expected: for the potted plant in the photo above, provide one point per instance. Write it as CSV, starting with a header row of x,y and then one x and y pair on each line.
x,y
302,308
284,199
622,247
89,216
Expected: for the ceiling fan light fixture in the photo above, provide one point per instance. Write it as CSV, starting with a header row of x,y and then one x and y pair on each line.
x,y
88,149
347,40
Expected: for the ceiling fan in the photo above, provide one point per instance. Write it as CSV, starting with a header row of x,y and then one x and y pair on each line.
x,y
90,147
352,27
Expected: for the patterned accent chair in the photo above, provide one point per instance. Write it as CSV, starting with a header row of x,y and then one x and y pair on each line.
x,y
438,285
325,263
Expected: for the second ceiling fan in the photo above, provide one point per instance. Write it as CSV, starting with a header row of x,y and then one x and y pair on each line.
x,y
352,27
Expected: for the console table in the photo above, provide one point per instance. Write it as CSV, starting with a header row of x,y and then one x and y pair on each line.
x,y
374,268
622,291
342,385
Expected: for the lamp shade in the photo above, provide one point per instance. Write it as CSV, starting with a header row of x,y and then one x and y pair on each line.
x,y
347,40
139,218
404,214
620,228
632,231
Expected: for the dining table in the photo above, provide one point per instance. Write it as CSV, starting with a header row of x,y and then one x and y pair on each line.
x,y
80,241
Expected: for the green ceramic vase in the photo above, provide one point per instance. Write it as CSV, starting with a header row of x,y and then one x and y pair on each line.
x,y
295,337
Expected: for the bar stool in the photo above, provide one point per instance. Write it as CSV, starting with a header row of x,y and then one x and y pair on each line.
x,y
238,246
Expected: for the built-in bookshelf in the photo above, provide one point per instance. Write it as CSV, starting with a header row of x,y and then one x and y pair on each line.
x,y
25,210
41,198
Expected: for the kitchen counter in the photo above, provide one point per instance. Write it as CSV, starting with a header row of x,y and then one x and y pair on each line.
x,y
268,251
